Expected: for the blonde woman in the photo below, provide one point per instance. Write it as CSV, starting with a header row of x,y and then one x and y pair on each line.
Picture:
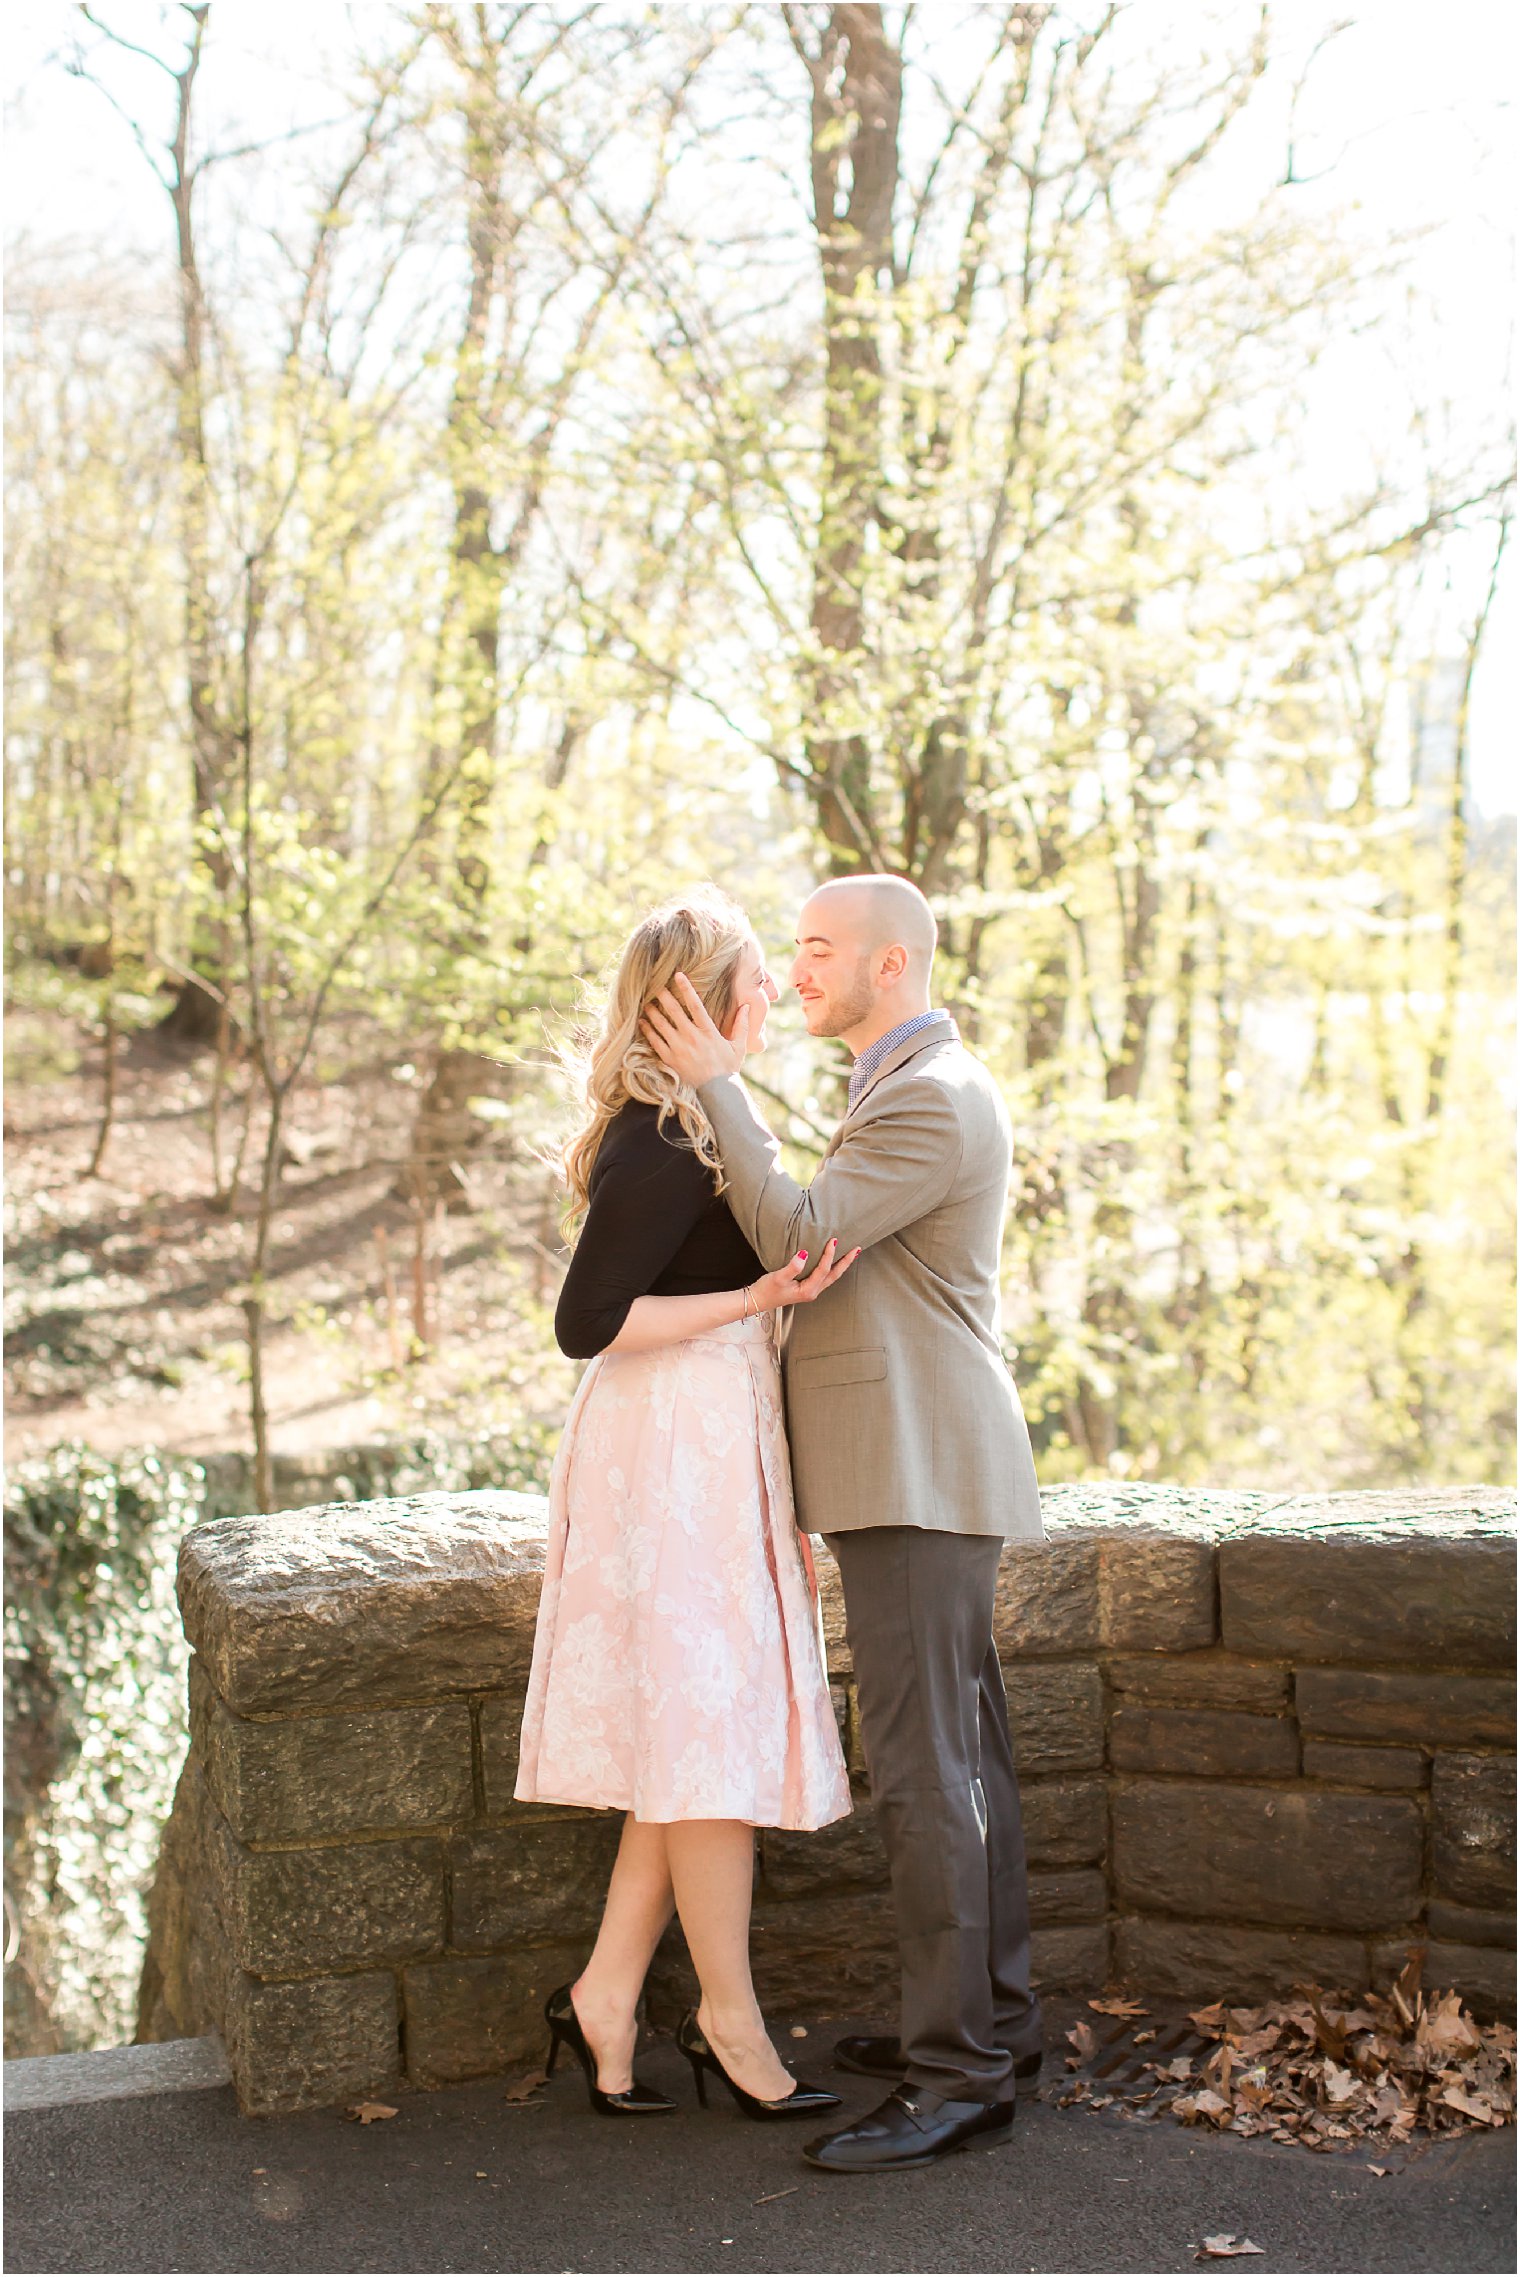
x,y
678,1670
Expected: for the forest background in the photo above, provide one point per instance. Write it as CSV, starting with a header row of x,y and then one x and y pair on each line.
x,y
473,468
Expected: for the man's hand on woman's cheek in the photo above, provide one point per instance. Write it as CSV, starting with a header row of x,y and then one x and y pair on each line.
x,y
685,1038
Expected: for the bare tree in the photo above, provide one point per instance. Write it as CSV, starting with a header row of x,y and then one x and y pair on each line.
x,y
199,1010
513,73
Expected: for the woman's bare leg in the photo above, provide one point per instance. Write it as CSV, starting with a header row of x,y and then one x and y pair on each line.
x,y
712,1867
606,1994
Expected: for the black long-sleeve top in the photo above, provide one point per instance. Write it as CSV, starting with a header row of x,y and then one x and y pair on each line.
x,y
655,1227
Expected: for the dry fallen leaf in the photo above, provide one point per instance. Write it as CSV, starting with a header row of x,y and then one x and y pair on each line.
x,y
1239,2020
1115,2006
1328,2032
1204,2105
1380,2170
1405,1992
1180,2067
1325,2071
367,2113
525,2086
1226,2247
1085,2040
1474,2106
1445,2032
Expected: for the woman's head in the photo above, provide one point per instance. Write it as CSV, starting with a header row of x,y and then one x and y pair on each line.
x,y
708,937
704,935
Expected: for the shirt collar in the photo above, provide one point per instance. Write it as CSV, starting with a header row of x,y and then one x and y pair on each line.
x,y
873,1055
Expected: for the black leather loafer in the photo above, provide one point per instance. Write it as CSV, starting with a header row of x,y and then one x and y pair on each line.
x,y
883,2059
911,2128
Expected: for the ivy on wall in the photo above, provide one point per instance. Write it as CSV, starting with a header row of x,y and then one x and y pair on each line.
x,y
95,1664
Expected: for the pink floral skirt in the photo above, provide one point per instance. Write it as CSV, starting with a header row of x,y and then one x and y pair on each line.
x,y
678,1666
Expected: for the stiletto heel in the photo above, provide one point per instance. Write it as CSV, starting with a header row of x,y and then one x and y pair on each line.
x,y
636,2102
804,2102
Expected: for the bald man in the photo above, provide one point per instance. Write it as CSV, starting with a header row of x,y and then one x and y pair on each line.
x,y
910,1454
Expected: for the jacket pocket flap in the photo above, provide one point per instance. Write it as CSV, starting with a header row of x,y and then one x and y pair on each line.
x,y
823,1368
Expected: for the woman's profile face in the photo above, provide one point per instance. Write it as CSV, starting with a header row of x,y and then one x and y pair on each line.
x,y
754,987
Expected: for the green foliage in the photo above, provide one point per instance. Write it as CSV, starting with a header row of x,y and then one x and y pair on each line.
x,y
432,1462
96,1666
805,494
533,572
983,549
95,1687
1275,1316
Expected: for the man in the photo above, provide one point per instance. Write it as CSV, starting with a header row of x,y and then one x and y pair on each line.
x,y
911,1456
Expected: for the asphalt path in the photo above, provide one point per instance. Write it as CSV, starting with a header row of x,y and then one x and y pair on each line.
x,y
462,2180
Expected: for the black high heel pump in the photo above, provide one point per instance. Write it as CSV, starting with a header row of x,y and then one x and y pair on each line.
x,y
804,2102
635,2102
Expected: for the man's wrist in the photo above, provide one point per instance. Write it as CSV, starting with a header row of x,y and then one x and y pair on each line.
x,y
723,1097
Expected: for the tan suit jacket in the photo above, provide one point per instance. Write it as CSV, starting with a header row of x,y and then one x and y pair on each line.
x,y
900,1407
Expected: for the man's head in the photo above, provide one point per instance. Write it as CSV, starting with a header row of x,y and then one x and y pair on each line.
x,y
865,950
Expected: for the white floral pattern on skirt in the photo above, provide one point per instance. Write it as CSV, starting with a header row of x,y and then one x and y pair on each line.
x,y
678,1663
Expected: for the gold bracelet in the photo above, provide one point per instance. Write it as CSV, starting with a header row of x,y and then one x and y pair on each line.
x,y
748,1293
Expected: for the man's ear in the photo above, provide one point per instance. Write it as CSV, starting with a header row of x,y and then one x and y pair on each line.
x,y
894,963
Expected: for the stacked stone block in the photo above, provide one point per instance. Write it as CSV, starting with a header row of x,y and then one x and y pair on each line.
x,y
1280,1802
349,1892
1259,1741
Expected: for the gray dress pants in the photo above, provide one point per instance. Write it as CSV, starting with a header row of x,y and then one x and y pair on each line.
x,y
934,1727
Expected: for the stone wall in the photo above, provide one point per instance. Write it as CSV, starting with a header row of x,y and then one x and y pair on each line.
x,y
1259,1740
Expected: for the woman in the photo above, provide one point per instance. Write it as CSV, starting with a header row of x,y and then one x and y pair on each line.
x,y
678,1670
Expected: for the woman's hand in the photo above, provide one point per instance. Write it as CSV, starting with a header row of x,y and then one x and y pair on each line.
x,y
787,1285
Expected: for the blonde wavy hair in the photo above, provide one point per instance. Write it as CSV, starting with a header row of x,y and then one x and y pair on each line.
x,y
702,934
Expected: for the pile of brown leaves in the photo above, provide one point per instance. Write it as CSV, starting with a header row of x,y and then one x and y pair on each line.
x,y
1331,2073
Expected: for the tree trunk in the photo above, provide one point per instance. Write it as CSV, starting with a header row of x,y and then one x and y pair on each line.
x,y
263,1462
1138,913
444,1130
1050,994
253,1303
195,1015
1456,849
218,1093
108,1088
856,74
